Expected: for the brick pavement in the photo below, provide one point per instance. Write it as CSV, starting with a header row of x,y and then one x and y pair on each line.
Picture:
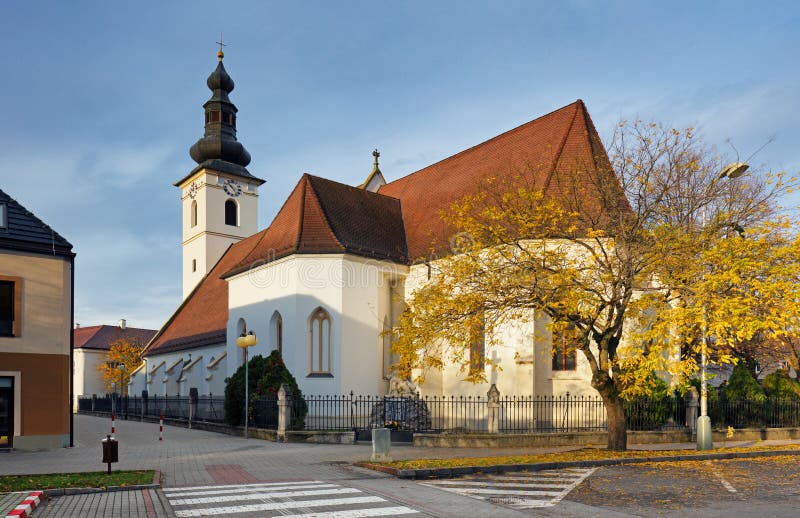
x,y
194,457
143,503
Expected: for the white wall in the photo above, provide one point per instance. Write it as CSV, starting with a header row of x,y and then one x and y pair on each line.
x,y
87,380
161,383
352,290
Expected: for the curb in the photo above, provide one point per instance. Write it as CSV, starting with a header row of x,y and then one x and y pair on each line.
x,y
502,468
50,493
26,507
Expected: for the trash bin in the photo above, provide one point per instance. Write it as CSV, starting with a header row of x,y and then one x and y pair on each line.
x,y
110,451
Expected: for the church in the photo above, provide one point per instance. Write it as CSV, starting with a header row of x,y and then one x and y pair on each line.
x,y
331,272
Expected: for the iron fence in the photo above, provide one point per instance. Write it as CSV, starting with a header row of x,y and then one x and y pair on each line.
x,y
468,414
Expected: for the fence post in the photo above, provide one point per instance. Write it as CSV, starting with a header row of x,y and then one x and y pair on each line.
x,y
691,410
284,411
493,402
144,405
192,405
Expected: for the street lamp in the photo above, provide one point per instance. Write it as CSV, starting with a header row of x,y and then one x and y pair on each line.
x,y
245,341
704,440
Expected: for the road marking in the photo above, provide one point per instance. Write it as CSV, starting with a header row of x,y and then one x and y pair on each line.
x,y
727,485
234,486
528,493
281,499
358,513
263,495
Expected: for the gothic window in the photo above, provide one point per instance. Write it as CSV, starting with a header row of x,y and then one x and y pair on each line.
x,y
241,329
193,216
320,336
194,265
388,359
564,349
477,348
276,328
231,216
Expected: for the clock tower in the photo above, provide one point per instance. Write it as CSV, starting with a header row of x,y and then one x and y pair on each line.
x,y
219,196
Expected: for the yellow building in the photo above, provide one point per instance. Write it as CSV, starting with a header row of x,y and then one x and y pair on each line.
x,y
36,313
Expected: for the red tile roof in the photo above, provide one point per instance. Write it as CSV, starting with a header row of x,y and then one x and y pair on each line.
x,y
402,221
544,153
322,216
101,337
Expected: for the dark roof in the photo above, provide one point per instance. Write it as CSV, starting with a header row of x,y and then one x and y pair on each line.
x,y
322,216
101,337
555,151
25,232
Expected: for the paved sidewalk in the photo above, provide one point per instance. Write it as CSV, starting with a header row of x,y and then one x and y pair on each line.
x,y
195,458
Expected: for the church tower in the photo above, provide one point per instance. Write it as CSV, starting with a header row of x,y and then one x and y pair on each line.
x,y
219,196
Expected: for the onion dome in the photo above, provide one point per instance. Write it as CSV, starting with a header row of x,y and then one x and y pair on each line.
x,y
219,141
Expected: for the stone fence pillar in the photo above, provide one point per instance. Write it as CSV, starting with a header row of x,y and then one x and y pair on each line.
x,y
284,411
192,404
493,404
692,403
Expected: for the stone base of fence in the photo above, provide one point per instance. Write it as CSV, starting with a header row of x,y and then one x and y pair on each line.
x,y
476,440
310,436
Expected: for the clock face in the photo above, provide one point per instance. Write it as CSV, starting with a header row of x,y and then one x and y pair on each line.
x,y
193,190
232,188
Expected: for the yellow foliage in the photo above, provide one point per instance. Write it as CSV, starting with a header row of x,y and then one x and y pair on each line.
x,y
123,357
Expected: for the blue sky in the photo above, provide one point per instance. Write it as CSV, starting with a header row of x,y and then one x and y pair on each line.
x,y
103,99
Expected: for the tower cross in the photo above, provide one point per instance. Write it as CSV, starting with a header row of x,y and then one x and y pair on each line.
x,y
221,54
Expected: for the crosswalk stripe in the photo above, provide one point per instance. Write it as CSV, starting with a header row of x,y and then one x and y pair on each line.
x,y
262,496
277,506
494,484
357,513
249,490
232,486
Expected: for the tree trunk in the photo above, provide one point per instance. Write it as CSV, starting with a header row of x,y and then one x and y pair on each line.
x,y
617,431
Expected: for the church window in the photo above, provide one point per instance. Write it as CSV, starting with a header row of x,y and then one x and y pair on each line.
x,y
194,213
10,305
564,349
320,336
231,216
388,358
194,265
477,348
276,328
215,116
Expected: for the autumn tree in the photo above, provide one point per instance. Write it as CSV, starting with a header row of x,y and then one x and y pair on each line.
x,y
123,357
592,252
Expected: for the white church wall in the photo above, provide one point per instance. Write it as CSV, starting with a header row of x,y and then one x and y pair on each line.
x,y
162,383
348,288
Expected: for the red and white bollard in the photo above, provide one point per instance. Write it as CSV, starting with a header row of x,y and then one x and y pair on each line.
x,y
112,424
161,428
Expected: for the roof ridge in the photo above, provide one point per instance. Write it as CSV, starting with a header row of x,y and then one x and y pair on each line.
x,y
321,206
561,146
496,137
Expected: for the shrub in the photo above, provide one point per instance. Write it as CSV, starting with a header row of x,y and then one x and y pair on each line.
x,y
265,376
742,386
780,386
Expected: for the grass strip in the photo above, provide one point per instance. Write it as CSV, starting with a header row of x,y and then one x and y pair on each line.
x,y
567,456
98,479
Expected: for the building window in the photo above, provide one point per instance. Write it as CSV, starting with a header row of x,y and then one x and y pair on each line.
x,y
194,265
320,335
10,306
564,349
477,348
276,326
3,216
230,213
193,216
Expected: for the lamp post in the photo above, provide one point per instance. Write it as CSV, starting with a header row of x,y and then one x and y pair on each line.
x,y
245,341
704,440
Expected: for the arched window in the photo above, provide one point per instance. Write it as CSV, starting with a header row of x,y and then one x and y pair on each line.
x,y
276,331
194,213
388,357
320,336
564,347
231,216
